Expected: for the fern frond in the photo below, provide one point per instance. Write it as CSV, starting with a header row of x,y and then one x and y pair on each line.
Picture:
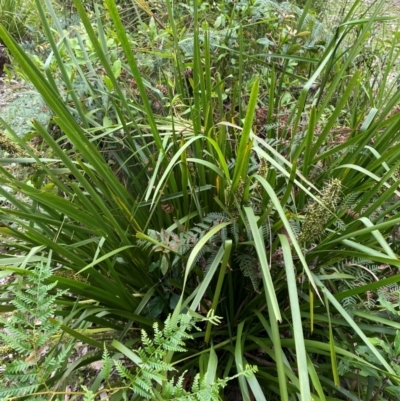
x,y
27,331
250,268
107,364
123,371
17,390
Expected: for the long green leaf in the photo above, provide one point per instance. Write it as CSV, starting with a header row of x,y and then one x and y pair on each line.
x,y
354,325
296,317
285,222
243,152
262,259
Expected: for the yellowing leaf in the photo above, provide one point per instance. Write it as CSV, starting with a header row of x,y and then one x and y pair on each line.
x,y
304,33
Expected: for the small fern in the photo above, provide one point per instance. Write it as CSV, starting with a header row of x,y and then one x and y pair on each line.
x,y
150,356
28,332
349,304
148,379
250,268
107,364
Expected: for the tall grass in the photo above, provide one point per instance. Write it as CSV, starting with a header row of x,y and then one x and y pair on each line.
x,y
13,16
240,196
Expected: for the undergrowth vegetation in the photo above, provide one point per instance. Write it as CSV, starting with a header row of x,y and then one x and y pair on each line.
x,y
18,17
213,211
